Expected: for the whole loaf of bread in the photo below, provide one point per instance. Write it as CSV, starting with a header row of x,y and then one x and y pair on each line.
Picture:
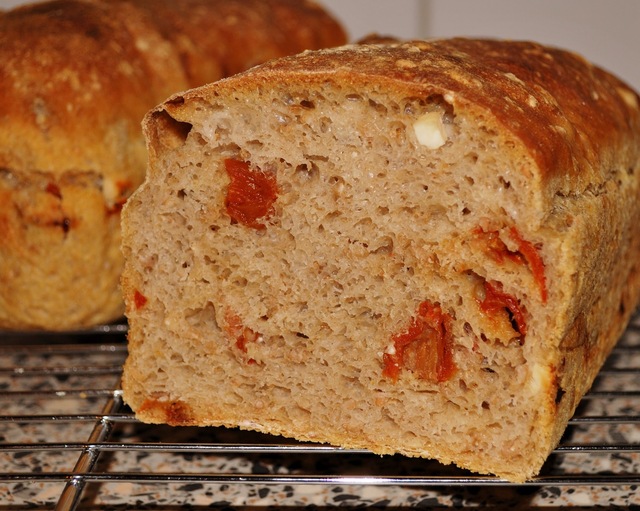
x,y
426,248
76,79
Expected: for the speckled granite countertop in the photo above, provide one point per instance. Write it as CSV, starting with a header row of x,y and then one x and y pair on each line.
x,y
68,442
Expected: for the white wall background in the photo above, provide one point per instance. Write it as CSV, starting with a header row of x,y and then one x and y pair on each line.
x,y
607,32
401,18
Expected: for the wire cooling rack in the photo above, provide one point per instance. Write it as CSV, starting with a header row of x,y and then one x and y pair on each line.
x,y
67,441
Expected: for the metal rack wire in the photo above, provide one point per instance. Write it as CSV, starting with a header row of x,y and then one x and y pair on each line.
x,y
68,441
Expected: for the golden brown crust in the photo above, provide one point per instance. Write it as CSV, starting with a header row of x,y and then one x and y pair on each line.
x,y
173,413
82,71
567,112
220,38
77,78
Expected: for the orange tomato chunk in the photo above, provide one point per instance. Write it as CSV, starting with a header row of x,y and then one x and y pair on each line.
x,y
139,300
54,190
425,347
496,301
236,330
527,254
534,260
250,195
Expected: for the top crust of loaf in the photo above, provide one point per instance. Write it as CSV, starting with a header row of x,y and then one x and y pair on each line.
x,y
544,96
76,81
212,45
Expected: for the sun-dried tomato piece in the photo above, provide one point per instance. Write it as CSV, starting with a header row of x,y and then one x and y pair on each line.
x,y
250,195
534,260
495,248
236,330
54,190
175,413
425,347
139,300
527,254
496,302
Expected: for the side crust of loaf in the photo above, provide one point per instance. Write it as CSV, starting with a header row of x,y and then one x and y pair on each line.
x,y
77,77
426,248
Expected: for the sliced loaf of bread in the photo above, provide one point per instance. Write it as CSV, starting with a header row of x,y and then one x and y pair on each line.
x,y
426,248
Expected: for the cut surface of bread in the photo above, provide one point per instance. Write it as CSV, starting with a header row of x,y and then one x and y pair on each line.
x,y
426,248
77,77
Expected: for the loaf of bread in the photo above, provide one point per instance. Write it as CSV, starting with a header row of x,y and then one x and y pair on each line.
x,y
77,77
426,248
